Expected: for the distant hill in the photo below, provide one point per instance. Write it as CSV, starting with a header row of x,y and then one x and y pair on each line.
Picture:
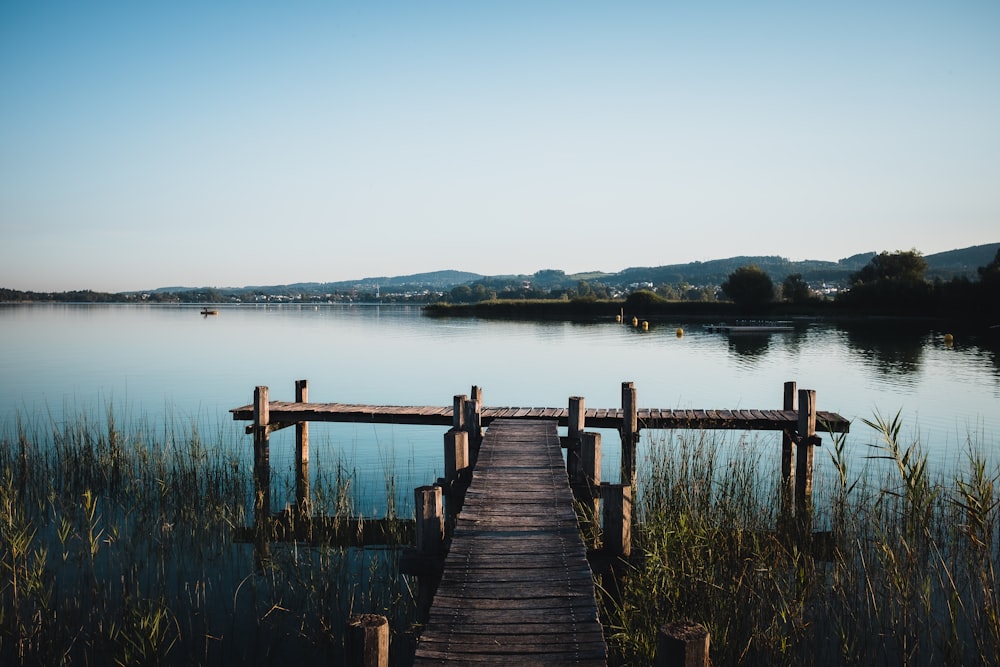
x,y
943,265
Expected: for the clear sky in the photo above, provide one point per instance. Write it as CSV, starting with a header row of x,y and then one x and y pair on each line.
x,y
147,144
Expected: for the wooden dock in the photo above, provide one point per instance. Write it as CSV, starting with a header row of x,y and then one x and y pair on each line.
x,y
284,413
516,587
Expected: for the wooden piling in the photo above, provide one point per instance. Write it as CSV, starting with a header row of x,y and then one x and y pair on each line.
x,y
456,454
805,442
458,412
576,420
629,433
261,475
617,519
588,490
368,641
302,452
430,520
429,542
682,644
474,422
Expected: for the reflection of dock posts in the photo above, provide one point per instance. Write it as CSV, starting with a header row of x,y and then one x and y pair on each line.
x,y
429,539
788,453
629,433
806,440
474,423
302,453
261,475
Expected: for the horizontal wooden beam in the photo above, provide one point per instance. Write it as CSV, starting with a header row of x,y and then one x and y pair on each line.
x,y
287,413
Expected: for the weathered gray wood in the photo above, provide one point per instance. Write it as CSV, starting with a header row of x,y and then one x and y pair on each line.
x,y
516,587
576,419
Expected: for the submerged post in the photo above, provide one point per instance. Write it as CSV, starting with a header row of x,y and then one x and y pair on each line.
x,y
789,402
302,452
629,433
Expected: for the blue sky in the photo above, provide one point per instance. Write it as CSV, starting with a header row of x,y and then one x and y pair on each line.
x,y
145,144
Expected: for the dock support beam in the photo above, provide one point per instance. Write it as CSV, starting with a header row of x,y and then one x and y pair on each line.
x,y
682,644
574,430
261,475
629,433
302,453
804,456
789,402
617,519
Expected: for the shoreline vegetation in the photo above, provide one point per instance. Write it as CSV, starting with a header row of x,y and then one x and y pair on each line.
x,y
117,546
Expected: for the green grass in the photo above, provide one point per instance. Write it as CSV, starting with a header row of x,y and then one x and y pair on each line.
x,y
116,547
893,567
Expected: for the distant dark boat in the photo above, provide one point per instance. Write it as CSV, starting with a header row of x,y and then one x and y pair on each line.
x,y
208,311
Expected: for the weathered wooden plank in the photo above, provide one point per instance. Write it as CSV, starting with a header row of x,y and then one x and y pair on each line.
x,y
516,586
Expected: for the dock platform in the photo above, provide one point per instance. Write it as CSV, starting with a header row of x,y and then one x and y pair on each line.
x,y
516,587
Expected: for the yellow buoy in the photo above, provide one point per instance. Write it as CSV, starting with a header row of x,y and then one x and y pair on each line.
x,y
949,340
680,332
635,321
645,325
618,318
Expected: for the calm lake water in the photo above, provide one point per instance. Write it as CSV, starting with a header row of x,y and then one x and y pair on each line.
x,y
171,363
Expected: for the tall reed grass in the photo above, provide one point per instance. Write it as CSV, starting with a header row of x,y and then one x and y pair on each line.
x,y
892,566
117,547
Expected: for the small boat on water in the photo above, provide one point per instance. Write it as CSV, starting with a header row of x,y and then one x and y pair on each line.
x,y
209,311
751,326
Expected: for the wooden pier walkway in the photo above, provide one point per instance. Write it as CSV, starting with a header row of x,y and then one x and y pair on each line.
x,y
284,413
516,587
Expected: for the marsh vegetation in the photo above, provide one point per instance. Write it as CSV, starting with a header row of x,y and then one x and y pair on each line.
x,y
117,547
893,566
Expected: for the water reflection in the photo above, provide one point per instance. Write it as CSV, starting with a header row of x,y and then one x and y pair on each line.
x,y
892,348
749,345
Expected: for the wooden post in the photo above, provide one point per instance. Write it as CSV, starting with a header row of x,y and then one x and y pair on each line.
x,y
473,422
456,454
368,641
682,644
458,412
588,490
617,519
629,433
429,539
574,429
261,475
806,441
429,520
302,452
787,453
